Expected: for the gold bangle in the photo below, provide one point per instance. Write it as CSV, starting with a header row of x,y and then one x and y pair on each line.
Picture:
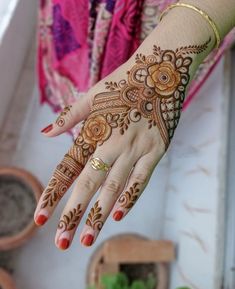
x,y
201,12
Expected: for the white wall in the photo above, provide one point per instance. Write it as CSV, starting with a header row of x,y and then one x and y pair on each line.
x,y
194,217
18,23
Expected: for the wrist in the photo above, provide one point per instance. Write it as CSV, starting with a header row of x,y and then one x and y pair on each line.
x,y
222,13
181,27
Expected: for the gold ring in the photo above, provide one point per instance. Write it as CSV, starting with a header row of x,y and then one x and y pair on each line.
x,y
98,165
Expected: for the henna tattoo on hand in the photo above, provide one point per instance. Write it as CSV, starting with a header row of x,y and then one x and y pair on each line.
x,y
94,217
154,90
61,120
69,222
128,199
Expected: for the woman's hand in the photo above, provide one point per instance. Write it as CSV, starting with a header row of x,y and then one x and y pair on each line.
x,y
130,118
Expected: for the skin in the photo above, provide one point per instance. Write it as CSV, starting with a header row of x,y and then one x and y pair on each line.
x,y
129,120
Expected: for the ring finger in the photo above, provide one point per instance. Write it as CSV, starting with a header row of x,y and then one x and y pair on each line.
x,y
86,186
110,191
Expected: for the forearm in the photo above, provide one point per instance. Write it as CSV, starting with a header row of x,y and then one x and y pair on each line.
x,y
221,11
183,27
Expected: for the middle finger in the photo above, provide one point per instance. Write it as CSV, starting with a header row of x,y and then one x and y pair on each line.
x,y
86,186
110,191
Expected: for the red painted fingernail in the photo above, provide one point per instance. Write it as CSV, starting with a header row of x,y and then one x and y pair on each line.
x,y
118,215
41,220
87,240
47,129
63,243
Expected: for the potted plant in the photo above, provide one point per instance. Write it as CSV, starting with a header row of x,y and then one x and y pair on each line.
x,y
134,255
120,281
19,193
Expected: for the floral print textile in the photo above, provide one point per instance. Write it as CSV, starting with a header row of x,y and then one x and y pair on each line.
x,y
82,41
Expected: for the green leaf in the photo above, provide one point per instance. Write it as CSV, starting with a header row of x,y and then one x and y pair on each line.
x,y
118,281
151,282
138,285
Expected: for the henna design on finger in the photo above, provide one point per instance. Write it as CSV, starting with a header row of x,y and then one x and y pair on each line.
x,y
61,120
94,217
154,90
128,199
63,177
69,221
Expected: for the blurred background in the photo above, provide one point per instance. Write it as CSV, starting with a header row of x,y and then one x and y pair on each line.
x,y
192,187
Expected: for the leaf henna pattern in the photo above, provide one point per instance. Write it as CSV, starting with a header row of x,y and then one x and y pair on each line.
x,y
60,120
192,48
154,90
69,222
128,199
94,217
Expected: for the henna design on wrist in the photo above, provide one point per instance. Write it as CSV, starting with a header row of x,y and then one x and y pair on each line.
x,y
61,120
154,90
94,217
128,199
69,222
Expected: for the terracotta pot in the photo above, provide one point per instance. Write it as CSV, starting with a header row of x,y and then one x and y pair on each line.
x,y
97,266
6,281
19,193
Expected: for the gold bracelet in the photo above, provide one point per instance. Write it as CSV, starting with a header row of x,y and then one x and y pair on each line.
x,y
201,12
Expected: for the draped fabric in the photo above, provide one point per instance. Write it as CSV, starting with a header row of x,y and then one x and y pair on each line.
x,y
82,41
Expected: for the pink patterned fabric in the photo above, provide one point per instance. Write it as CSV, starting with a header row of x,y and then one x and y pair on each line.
x,y
82,41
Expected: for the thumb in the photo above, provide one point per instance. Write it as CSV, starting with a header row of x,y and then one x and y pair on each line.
x,y
69,117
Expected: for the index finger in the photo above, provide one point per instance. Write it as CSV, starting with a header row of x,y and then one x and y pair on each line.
x,y
63,177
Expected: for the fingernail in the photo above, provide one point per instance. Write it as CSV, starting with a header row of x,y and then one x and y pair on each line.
x,y
87,240
47,129
41,220
63,243
118,215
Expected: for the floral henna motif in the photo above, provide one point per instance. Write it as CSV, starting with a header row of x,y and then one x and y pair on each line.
x,y
154,89
69,222
128,199
94,217
63,177
61,120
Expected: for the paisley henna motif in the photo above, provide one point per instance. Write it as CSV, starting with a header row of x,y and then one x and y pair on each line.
x,y
128,199
69,222
94,217
61,120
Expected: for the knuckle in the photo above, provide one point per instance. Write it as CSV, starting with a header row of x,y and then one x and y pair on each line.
x,y
140,178
88,184
112,186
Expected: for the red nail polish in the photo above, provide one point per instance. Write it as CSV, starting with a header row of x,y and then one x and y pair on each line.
x,y
47,129
118,215
63,244
41,220
87,240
